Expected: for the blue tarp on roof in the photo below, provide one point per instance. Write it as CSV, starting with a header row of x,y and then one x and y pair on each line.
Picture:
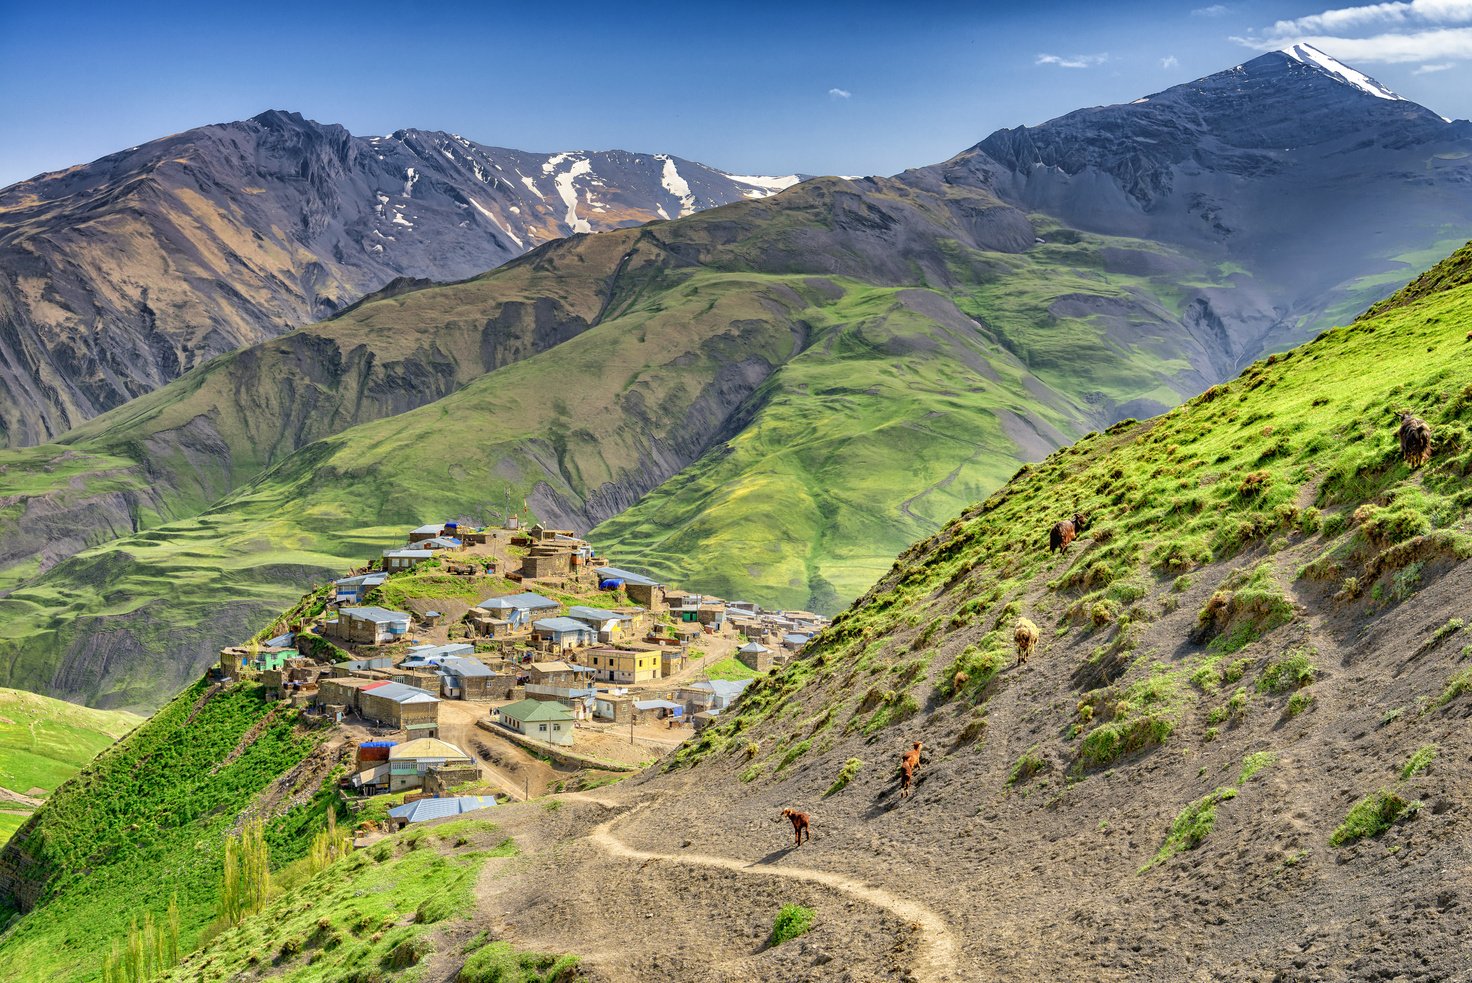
x,y
418,812
628,577
378,744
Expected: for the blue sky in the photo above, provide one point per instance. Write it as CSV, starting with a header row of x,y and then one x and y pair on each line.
x,y
755,87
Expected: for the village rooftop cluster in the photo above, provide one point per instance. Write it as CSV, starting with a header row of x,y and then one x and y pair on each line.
x,y
573,660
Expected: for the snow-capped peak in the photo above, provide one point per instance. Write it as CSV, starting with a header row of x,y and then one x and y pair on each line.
x,y
1309,55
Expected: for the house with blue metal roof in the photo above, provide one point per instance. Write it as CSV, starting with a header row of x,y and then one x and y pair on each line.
x,y
562,634
368,625
351,590
425,809
518,609
713,694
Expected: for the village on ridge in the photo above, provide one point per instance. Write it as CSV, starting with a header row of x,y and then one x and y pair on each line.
x,y
444,706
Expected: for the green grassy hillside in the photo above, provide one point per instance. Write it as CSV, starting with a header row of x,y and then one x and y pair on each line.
x,y
146,821
43,742
829,422
1247,706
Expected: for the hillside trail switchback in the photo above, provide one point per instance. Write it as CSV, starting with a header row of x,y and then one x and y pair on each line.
x,y
937,948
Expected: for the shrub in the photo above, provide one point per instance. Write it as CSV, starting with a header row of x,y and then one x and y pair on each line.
x,y
1452,626
1299,702
845,775
1371,816
498,962
1419,761
1026,766
1191,826
1293,671
1459,683
793,920
1254,763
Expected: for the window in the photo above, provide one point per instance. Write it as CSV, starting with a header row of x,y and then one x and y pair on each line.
x,y
541,726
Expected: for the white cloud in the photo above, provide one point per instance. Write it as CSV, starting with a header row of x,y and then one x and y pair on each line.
x,y
837,93
1382,49
1413,12
1073,61
1428,69
1378,33
1215,10
1170,61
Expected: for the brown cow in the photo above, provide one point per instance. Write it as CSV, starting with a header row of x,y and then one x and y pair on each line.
x,y
1415,440
1065,532
1026,637
907,777
801,825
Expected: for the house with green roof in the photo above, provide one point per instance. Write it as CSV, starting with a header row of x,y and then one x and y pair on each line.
x,y
541,720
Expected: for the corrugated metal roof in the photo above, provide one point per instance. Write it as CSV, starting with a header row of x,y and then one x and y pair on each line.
x,y
753,647
425,747
626,576
441,651
523,600
657,705
560,625
531,711
376,615
401,693
466,668
600,615
424,809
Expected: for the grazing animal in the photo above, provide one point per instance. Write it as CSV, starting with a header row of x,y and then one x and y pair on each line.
x,y
1026,637
960,679
1415,440
1065,532
801,825
909,764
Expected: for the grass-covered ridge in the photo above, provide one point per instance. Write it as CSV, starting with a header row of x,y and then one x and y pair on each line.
x,y
1296,457
808,428
147,820
43,742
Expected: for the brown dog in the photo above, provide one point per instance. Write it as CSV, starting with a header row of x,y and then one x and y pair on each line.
x,y
801,825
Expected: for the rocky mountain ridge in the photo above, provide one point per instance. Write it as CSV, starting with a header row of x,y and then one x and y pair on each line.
x,y
122,274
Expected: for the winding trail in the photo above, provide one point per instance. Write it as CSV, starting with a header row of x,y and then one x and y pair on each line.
x,y
937,949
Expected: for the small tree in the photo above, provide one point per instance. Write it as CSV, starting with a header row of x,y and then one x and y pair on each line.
x,y
247,878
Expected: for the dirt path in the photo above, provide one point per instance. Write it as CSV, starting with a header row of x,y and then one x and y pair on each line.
x,y
936,943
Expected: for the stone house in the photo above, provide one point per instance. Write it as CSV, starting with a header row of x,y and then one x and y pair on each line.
x,y
610,625
518,609
755,656
562,634
404,559
407,708
368,626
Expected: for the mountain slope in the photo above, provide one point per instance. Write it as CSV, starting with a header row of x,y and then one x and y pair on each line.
x,y
826,455
1242,735
686,357
124,273
1322,187
44,743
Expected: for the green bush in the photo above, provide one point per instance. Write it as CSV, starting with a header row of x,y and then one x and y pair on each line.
x,y
1293,671
1371,816
1191,826
1254,763
1299,702
1419,761
793,920
1026,766
497,962
845,775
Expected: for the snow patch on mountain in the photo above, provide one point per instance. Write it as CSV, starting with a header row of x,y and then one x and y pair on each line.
x,y
1309,55
566,190
676,185
766,185
486,212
